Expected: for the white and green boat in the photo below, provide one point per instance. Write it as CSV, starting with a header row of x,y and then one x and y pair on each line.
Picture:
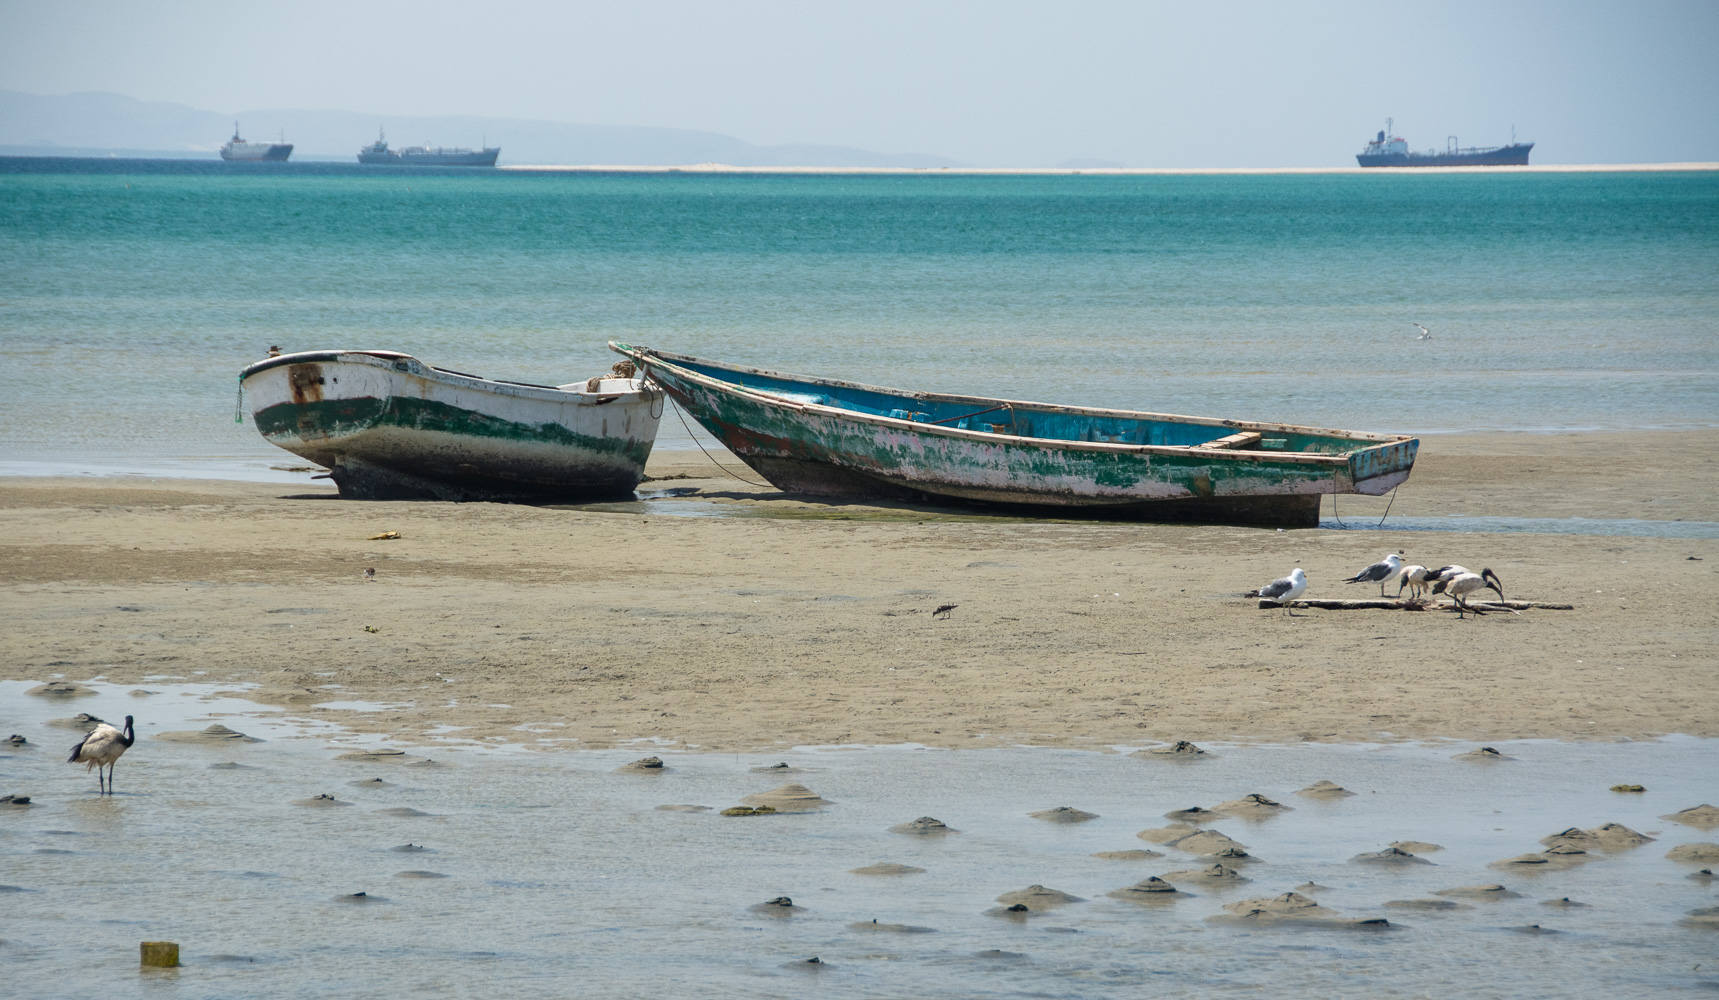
x,y
390,427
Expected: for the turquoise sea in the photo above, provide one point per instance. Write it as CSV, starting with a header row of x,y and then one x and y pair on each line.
x,y
131,294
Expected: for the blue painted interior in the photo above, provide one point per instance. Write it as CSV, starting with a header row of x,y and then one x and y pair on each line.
x,y
1025,421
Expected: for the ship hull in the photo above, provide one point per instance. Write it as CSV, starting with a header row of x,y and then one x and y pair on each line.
x,y
476,158
274,152
1515,155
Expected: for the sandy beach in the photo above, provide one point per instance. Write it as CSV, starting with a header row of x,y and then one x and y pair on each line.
x,y
810,623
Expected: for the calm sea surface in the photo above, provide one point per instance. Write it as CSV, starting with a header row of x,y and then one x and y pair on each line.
x,y
131,297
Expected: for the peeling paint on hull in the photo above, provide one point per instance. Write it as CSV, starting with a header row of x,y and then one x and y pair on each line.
x,y
389,427
831,438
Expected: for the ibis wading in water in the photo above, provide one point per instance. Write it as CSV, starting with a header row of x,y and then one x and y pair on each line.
x,y
102,748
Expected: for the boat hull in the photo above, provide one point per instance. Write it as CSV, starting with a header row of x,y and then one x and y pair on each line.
x,y
389,427
1514,155
807,447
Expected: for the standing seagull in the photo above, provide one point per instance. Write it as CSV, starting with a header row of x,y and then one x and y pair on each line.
x,y
1283,590
103,747
1381,572
1425,333
1460,586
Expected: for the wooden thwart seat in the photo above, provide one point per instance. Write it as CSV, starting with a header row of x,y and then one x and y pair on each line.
x,y
1245,439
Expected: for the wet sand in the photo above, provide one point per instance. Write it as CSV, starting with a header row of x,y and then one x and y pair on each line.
x,y
594,627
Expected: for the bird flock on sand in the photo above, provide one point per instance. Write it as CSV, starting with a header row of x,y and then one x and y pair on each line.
x,y
1457,582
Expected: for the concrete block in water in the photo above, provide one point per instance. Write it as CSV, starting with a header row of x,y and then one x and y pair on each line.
x,y
159,954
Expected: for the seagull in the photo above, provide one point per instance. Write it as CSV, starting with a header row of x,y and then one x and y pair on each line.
x,y
1381,572
1425,333
1414,578
1463,584
1283,590
102,747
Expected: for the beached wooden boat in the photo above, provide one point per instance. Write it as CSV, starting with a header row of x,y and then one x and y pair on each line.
x,y
389,427
827,437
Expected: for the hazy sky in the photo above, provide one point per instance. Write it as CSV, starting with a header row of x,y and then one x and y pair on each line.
x,y
996,83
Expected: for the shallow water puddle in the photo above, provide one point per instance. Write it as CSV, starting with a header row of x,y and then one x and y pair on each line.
x,y
561,874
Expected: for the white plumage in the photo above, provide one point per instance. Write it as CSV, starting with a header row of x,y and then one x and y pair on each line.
x,y
1463,584
1414,578
103,748
1381,572
1283,589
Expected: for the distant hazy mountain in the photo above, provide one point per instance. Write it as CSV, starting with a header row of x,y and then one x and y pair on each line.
x,y
100,123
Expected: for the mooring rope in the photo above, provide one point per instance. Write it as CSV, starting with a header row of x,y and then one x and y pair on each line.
x,y
1387,512
713,461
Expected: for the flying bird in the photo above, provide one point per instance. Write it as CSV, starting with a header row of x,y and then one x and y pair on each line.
x,y
1283,590
102,748
1381,572
1425,333
1463,584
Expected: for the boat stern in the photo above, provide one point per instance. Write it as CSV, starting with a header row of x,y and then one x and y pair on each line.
x,y
1380,469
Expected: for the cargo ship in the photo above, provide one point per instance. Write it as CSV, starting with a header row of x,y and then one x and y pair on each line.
x,y
1387,150
253,152
425,156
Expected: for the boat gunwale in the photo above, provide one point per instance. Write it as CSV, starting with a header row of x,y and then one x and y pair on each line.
x,y
1256,455
542,393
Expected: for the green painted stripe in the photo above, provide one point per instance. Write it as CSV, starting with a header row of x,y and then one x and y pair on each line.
x,y
337,418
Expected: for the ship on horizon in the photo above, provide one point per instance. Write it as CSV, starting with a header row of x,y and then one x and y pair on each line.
x,y
1387,150
425,156
238,149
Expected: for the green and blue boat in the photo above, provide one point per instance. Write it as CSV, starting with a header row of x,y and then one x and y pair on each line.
x,y
827,437
390,427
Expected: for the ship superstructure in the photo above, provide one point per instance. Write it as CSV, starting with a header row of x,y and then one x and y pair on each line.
x,y
1388,150
427,156
242,150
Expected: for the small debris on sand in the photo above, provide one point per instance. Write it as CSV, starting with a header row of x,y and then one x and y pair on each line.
x,y
1427,904
873,925
1628,788
1203,842
14,742
1389,856
1128,855
1037,897
1490,891
1702,817
924,826
320,802
792,797
61,689
1148,891
781,906
1016,912
1063,814
216,733
1181,748
1325,790
677,808
1210,875
1483,753
382,757
1255,806
747,811
1193,815
1416,846
1229,856
385,536
1610,837
782,768
887,868
14,800
1706,918
647,765
1698,853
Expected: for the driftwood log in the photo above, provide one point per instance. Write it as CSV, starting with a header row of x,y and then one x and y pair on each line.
x,y
1389,605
